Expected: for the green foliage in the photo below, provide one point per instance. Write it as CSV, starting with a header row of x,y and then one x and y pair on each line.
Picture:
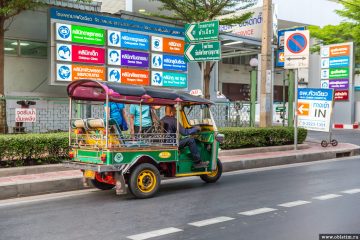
x,y
344,32
29,149
260,137
198,11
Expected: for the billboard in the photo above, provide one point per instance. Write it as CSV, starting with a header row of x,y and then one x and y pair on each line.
x,y
92,46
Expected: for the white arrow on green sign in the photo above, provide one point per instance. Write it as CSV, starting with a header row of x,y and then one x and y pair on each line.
x,y
202,31
206,51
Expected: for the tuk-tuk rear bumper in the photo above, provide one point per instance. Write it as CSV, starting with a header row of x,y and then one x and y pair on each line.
x,y
96,167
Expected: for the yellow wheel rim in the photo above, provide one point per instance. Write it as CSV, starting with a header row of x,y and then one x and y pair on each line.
x,y
214,173
146,181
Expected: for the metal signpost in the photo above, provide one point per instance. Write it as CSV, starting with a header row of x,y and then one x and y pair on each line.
x,y
199,49
296,54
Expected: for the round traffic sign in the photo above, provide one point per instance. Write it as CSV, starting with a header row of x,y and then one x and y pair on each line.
x,y
296,43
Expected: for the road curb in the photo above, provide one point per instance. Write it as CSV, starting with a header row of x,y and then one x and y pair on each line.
x,y
242,164
16,171
38,188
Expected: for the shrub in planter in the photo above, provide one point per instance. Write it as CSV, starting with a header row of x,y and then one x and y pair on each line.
x,y
28,149
260,137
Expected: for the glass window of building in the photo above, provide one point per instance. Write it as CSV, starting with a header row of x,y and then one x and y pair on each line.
x,y
11,46
33,49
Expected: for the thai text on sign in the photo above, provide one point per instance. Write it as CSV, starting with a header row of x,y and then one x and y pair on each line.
x,y
25,115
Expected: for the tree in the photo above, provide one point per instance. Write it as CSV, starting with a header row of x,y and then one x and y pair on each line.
x,y
344,32
188,11
8,10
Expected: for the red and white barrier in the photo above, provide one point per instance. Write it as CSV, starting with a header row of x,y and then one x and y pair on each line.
x,y
346,126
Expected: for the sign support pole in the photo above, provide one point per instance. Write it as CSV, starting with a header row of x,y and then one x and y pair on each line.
x,y
295,112
291,90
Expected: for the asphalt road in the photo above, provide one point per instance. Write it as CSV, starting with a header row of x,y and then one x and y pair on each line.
x,y
344,136
189,209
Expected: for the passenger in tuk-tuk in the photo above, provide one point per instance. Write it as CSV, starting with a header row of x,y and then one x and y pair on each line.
x,y
135,120
170,126
117,112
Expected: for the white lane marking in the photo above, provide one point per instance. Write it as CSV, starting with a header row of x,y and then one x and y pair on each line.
x,y
45,197
155,233
211,221
352,191
327,196
293,204
257,211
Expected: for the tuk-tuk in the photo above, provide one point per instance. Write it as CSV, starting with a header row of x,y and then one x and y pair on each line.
x,y
112,158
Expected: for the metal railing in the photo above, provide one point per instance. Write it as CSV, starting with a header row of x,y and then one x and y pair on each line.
x,y
52,114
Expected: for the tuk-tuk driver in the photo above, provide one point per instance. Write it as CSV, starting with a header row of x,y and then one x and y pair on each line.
x,y
170,125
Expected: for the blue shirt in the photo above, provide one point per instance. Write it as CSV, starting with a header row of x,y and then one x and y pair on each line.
x,y
146,115
116,112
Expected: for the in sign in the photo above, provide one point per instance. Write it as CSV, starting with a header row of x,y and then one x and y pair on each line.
x,y
297,43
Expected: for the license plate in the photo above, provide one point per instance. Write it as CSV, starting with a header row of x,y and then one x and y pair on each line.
x,y
89,174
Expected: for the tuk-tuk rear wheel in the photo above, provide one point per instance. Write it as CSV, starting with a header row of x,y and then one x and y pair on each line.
x,y
214,175
144,181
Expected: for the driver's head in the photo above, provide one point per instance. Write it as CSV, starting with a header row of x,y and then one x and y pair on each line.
x,y
170,110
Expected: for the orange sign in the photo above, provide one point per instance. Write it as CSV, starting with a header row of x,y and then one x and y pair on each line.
x,y
342,50
135,77
303,109
171,45
88,72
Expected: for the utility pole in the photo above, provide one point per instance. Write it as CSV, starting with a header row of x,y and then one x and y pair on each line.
x,y
266,61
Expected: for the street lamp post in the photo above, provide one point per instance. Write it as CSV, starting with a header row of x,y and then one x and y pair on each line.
x,y
253,89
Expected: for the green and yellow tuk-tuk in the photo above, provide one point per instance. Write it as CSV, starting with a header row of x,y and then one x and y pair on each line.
x,y
112,158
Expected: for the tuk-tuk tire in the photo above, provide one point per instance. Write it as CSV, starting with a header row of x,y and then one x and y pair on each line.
x,y
211,178
152,174
101,185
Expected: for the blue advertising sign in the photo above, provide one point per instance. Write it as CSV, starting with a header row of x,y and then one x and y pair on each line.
x,y
280,59
168,62
318,94
281,35
168,79
135,41
99,20
338,62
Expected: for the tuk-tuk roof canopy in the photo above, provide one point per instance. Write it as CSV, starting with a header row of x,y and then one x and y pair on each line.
x,y
90,90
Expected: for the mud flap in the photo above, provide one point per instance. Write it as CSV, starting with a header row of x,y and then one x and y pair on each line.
x,y
120,186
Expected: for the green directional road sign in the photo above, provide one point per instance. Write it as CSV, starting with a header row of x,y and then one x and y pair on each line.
x,y
206,51
202,31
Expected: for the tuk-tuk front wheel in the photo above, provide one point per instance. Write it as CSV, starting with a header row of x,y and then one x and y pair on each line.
x,y
144,181
214,175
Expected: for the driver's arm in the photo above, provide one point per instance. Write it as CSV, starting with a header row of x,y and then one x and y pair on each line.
x,y
188,131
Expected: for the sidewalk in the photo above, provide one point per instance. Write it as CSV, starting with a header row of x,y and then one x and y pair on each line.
x,y
49,179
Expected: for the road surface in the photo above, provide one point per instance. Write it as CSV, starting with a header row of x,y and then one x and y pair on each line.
x,y
279,203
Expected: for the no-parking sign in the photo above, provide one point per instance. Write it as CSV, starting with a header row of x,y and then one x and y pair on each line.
x,y
296,50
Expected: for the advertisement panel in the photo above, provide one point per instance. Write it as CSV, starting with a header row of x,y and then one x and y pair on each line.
x,y
340,50
168,79
314,108
339,84
136,77
80,34
341,95
167,45
81,54
135,41
168,62
88,72
336,73
134,59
